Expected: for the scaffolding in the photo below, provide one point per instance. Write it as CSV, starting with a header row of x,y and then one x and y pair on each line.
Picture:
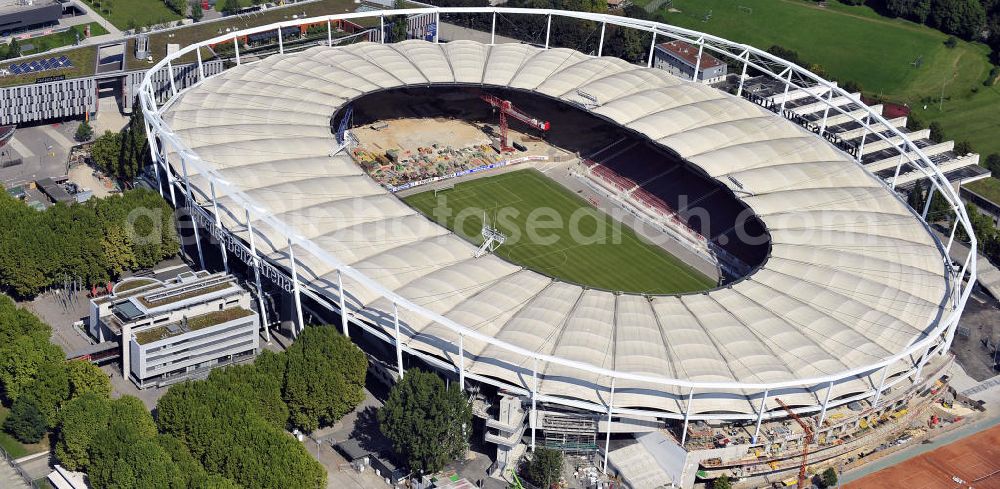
x,y
574,435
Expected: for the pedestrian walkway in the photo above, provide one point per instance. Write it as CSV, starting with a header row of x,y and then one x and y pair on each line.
x,y
985,385
9,478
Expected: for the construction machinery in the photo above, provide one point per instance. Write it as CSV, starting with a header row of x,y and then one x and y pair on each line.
x,y
805,442
506,108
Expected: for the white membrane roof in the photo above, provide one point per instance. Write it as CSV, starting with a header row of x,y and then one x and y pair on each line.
x,y
853,276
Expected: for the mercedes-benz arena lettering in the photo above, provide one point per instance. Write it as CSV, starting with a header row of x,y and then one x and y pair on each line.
x,y
856,296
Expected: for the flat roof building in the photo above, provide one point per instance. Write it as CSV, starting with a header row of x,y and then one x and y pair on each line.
x,y
170,331
680,59
22,15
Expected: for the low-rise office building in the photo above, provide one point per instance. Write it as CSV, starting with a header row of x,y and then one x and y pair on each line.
x,y
19,16
681,59
170,331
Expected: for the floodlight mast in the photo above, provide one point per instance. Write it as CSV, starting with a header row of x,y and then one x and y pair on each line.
x,y
492,238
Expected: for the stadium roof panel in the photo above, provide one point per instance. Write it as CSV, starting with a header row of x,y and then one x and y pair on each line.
x,y
854,276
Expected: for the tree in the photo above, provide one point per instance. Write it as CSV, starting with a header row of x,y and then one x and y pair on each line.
x,y
126,454
84,132
79,422
545,467
49,390
324,378
993,164
106,152
196,11
851,86
427,423
722,482
13,48
829,477
134,145
87,378
21,359
937,134
25,421
951,42
964,18
963,147
398,27
230,6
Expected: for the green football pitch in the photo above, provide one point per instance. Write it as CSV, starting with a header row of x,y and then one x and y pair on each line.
x,y
553,231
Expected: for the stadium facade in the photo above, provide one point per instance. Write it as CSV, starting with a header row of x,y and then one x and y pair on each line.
x,y
846,321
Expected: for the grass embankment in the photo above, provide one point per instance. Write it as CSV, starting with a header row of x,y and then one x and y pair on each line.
x,y
856,43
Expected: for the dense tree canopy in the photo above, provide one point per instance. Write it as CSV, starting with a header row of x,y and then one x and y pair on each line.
x,y
25,421
429,425
545,467
324,378
91,242
79,421
233,425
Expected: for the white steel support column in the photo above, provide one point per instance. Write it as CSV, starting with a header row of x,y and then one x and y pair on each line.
x,y
600,43
652,50
437,26
687,417
190,204
255,263
697,61
201,66
826,111
461,362
236,48
329,32
399,345
950,334
607,431
170,180
760,416
743,74
930,197
218,225
381,31
170,73
343,303
153,153
920,365
281,43
784,98
534,394
864,135
548,30
881,386
493,30
295,291
899,166
826,403
951,237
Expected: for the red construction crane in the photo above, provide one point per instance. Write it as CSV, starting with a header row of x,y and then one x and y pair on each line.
x,y
506,108
805,443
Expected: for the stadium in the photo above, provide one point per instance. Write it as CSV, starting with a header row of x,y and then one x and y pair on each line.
x,y
833,301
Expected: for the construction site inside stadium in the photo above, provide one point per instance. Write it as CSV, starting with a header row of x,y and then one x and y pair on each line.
x,y
751,294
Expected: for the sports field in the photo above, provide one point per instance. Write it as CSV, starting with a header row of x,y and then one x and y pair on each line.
x,y
856,43
557,233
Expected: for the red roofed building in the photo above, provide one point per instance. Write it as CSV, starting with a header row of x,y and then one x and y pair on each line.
x,y
680,58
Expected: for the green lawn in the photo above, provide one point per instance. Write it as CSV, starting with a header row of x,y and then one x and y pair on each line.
x,y
127,14
855,43
66,38
987,187
604,259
